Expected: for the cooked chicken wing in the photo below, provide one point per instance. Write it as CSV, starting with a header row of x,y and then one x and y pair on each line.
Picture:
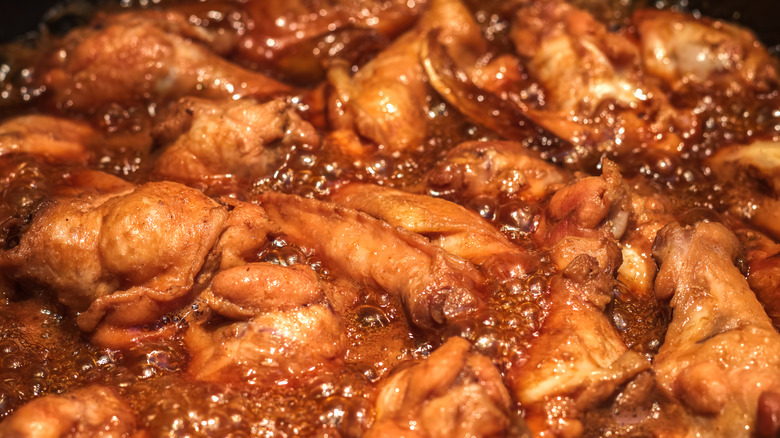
x,y
288,331
270,348
67,141
750,171
578,355
454,228
51,138
121,259
763,258
245,291
721,352
131,58
386,99
644,213
583,68
244,233
452,393
685,52
496,170
299,37
88,412
434,286
244,139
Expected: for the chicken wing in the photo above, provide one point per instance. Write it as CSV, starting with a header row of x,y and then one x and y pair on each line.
x,y
386,99
454,228
687,52
452,393
434,286
121,259
499,170
130,58
288,330
750,171
243,139
299,37
578,358
763,258
87,412
721,353
51,138
583,67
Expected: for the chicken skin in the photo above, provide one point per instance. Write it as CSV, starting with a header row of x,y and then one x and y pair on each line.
x,y
121,259
721,354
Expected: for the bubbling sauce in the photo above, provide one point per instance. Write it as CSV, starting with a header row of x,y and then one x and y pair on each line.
x,y
553,262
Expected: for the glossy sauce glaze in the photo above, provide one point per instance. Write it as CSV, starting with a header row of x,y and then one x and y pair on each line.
x,y
266,219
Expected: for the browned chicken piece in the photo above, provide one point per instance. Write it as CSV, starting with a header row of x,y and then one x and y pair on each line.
x,y
750,172
721,354
122,259
75,181
589,207
763,258
457,230
578,358
287,330
556,37
270,348
129,59
245,291
243,139
495,169
582,68
299,37
434,287
452,393
386,101
87,412
65,141
51,138
687,52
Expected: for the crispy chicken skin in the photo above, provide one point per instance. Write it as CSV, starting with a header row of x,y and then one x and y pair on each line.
x,y
721,352
121,259
87,412
452,393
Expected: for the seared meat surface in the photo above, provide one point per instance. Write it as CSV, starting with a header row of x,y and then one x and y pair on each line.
x,y
426,218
